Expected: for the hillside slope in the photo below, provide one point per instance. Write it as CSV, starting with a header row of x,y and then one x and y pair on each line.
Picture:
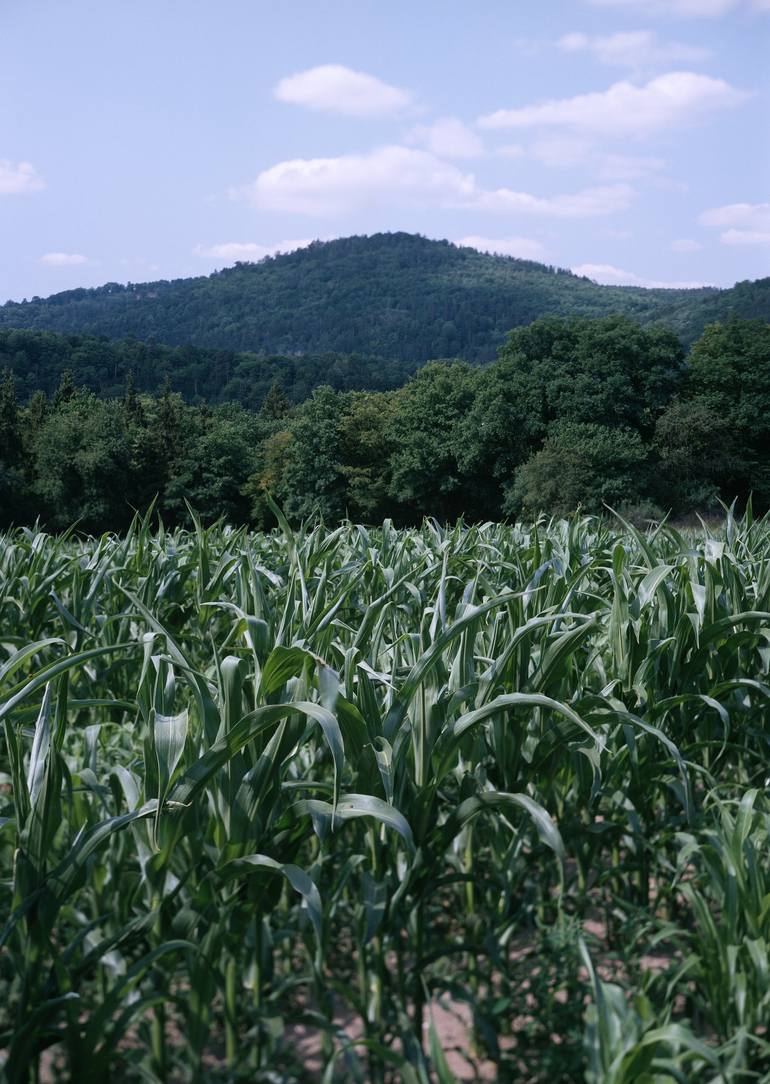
x,y
398,296
39,359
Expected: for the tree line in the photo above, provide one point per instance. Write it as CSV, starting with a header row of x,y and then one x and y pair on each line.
x,y
392,295
39,359
582,412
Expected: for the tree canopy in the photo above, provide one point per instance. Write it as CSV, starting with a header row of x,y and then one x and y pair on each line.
x,y
392,295
575,412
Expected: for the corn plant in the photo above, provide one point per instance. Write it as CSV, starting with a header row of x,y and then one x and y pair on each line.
x,y
270,804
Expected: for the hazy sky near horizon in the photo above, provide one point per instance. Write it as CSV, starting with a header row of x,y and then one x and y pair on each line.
x,y
627,139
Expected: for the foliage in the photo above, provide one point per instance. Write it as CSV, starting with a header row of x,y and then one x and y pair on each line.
x,y
39,359
393,295
425,442
581,465
730,375
607,372
312,482
582,411
310,786
696,450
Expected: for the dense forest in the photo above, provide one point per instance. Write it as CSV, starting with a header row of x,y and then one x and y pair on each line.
x,y
397,296
39,359
574,412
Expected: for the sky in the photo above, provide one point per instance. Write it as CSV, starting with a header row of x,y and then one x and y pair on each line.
x,y
626,139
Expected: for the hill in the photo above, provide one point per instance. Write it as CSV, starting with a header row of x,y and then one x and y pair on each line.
x,y
398,296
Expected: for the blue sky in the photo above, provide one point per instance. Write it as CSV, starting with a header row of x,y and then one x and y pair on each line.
x,y
628,139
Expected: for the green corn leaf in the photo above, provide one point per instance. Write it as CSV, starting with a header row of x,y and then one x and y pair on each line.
x,y
296,877
350,807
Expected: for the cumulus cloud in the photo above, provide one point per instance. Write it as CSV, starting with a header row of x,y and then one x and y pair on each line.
x,y
634,49
677,98
63,259
752,215
608,275
572,151
745,237
562,152
404,175
587,203
338,89
741,223
628,167
232,251
523,248
694,9
18,178
327,186
511,150
685,244
447,137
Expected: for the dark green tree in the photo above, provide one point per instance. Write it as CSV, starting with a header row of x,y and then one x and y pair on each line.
x,y
365,447
275,405
66,389
132,408
313,480
729,376
425,439
81,465
697,456
267,479
217,458
10,429
581,464
607,371
14,503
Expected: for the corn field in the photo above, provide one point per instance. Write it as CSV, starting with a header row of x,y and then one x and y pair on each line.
x,y
275,807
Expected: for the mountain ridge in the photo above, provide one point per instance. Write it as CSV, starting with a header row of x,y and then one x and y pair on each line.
x,y
394,295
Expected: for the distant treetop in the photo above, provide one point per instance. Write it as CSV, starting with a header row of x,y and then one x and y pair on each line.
x,y
394,295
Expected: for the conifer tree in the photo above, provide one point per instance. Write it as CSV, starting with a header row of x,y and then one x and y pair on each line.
x,y
275,405
66,390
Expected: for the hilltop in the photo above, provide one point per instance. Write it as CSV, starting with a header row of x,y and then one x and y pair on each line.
x,y
392,295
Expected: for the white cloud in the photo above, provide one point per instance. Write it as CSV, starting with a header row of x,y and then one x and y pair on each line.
x,y
742,223
523,248
342,90
677,98
402,175
745,237
63,259
753,215
628,167
447,137
570,151
232,251
615,276
687,8
587,203
562,152
511,150
685,244
328,186
18,178
634,49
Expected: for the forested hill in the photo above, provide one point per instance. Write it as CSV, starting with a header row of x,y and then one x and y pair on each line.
x,y
40,360
397,296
